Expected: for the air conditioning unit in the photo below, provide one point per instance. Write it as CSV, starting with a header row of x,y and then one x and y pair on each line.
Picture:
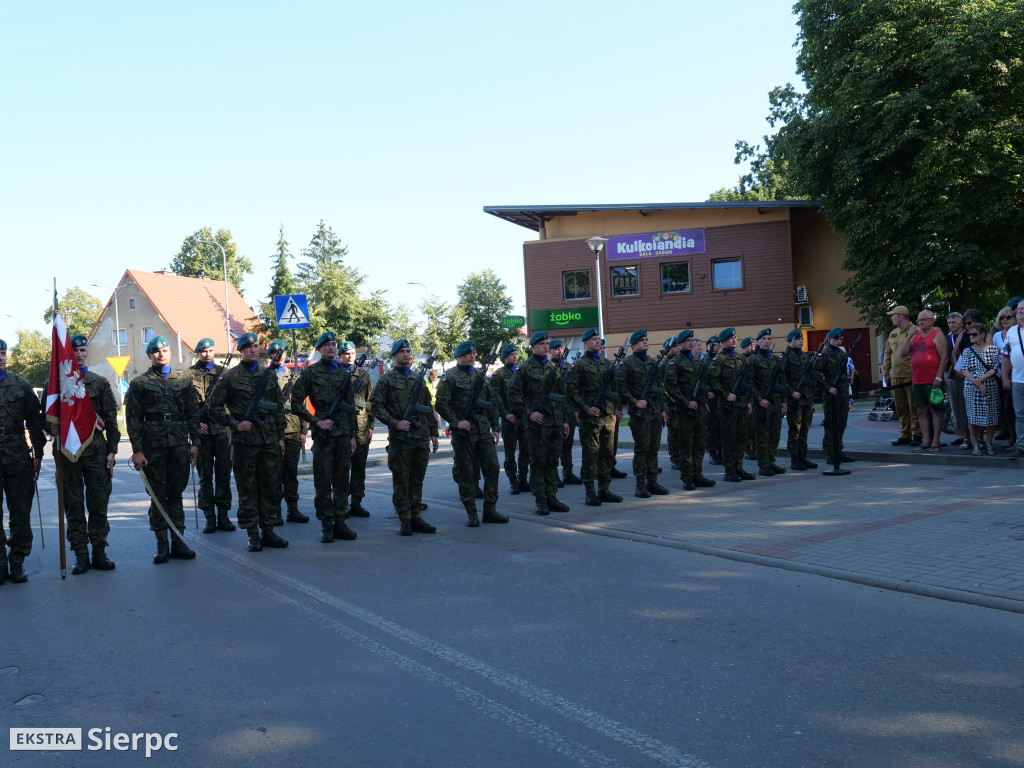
x,y
801,294
806,319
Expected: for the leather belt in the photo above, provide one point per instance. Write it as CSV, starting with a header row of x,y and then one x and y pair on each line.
x,y
165,417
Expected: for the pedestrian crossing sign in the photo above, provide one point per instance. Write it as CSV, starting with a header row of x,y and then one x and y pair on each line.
x,y
292,311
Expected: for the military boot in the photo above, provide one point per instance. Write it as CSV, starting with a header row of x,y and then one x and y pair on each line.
x,y
744,475
797,464
272,540
181,551
18,575
554,505
777,469
342,531
254,540
81,562
100,561
605,495
702,482
294,516
618,474
766,471
471,519
525,486
570,479
514,490
419,525
641,491
356,508
327,533
808,464
493,516
405,527
211,522
279,520
656,488
224,522
163,549
542,506
591,500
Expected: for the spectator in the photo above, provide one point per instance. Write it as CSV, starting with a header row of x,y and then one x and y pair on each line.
x,y
927,352
1013,375
896,373
955,382
1008,430
980,364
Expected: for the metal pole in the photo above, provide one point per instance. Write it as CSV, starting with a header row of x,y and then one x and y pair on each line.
x,y
600,306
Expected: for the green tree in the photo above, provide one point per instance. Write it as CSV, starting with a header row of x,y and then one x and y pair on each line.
x,y
400,326
447,327
282,284
910,134
767,178
484,300
79,309
201,258
30,357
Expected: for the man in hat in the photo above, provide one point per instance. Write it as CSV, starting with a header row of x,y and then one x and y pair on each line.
x,y
334,439
736,406
896,371
597,417
800,408
474,434
513,424
162,416
681,380
769,390
617,474
830,366
714,432
361,389
21,411
408,439
295,430
249,401
87,481
546,427
646,418
672,349
214,460
557,351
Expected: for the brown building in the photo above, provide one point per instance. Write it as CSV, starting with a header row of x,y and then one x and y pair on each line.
x,y
700,266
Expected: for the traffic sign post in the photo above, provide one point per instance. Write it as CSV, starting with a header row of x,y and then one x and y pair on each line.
x,y
292,311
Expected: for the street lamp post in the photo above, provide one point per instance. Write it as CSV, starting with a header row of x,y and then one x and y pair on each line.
x,y
227,321
596,244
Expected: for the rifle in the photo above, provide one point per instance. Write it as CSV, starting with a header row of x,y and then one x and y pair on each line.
x,y
842,372
547,396
474,401
698,387
650,387
204,413
738,384
810,364
772,378
339,403
286,393
252,413
602,392
414,406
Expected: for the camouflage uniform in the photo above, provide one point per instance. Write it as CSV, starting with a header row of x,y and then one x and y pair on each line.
x,y
513,436
734,418
214,459
19,410
361,389
644,424
799,413
545,439
767,421
596,432
691,425
294,430
571,418
830,363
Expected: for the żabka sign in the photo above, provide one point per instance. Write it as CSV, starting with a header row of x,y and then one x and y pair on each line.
x,y
671,243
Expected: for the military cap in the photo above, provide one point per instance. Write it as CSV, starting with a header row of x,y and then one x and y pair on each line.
x,y
555,343
400,344
159,342
3,345
204,344
835,333
246,340
79,341
712,339
588,333
324,338
683,336
899,309
465,348
637,335
346,346
669,342
747,341
507,350
792,335
275,345
726,334
538,337
765,332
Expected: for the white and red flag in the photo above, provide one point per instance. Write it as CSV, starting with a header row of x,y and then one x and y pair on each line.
x,y
67,400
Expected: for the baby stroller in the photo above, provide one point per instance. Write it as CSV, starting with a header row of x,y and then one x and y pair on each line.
x,y
884,408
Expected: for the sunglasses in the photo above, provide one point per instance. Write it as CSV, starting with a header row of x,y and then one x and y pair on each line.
x,y
972,335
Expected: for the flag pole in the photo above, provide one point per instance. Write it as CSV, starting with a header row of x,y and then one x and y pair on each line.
x,y
58,461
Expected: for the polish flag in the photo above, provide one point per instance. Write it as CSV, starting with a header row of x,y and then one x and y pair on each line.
x,y
66,398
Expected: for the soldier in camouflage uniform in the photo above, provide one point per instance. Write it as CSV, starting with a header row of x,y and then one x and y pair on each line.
x,y
556,351
87,480
295,430
646,416
334,439
162,416
597,418
19,411
257,440
830,368
714,433
546,427
769,404
361,390
736,407
513,425
691,413
672,349
408,440
473,434
800,409
214,461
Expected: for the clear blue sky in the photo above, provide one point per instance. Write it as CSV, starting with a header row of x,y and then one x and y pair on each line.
x,y
127,126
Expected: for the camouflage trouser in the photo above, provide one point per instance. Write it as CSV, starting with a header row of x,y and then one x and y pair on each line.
x,y
673,436
288,487
408,464
840,407
357,483
767,431
646,431
214,464
545,448
168,472
331,458
691,426
597,439
513,437
799,415
16,484
87,484
566,456
714,432
257,476
734,424
472,454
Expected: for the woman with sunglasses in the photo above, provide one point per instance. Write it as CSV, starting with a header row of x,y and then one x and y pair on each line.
x,y
980,365
1007,418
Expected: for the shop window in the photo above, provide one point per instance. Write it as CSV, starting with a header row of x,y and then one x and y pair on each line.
x,y
148,334
625,281
675,277
726,274
576,285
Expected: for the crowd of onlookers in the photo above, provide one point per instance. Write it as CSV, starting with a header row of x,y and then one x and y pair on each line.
x,y
980,368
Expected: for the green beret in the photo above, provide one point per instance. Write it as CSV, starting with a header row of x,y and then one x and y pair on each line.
x,y
792,335
765,332
400,344
324,338
275,345
835,333
538,337
712,339
346,346
3,345
507,350
669,342
683,336
588,333
246,340
158,342
79,341
465,348
725,334
747,341
637,335
204,344
555,343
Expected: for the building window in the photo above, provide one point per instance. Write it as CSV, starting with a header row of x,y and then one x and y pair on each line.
x,y
625,281
131,303
675,277
576,285
726,274
120,338
148,334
